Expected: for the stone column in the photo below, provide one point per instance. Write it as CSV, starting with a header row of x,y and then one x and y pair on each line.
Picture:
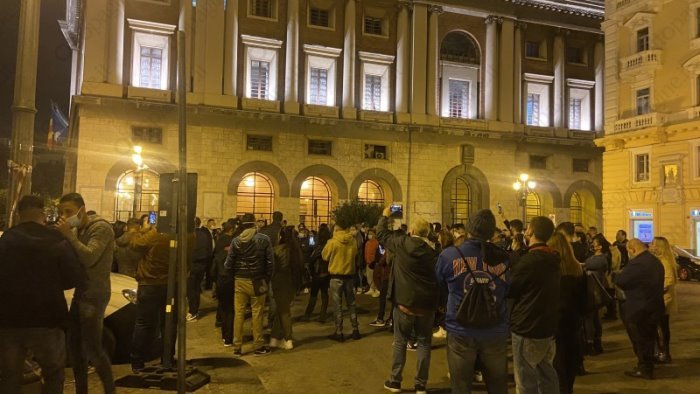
x,y
598,61
95,43
23,105
291,79
419,47
349,110
116,42
518,74
505,84
432,100
214,64
200,51
559,57
231,51
403,72
491,69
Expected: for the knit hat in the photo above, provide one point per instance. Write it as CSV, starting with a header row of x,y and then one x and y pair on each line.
x,y
248,220
482,224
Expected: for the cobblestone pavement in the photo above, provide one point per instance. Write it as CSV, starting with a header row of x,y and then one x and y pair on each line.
x,y
318,365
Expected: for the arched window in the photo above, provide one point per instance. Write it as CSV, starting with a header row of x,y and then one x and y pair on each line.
x,y
315,202
461,201
575,209
137,194
371,192
255,195
459,59
533,206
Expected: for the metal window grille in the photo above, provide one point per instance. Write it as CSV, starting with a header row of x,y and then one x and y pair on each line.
x,y
642,167
580,165
319,17
575,209
259,142
376,152
532,49
458,98
461,201
259,79
575,114
262,8
373,93
533,206
371,192
151,135
151,62
574,55
533,109
318,86
643,40
315,203
137,194
538,162
643,101
255,195
373,25
318,147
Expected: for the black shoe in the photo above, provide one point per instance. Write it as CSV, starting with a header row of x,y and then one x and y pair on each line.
x,y
394,387
218,324
338,337
356,334
636,373
419,389
263,351
137,368
581,371
237,353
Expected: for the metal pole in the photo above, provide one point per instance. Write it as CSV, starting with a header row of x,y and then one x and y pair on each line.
x,y
523,201
182,224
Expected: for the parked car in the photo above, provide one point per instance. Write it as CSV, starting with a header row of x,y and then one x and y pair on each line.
x,y
688,264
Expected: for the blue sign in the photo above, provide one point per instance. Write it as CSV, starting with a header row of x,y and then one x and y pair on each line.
x,y
640,214
695,212
643,230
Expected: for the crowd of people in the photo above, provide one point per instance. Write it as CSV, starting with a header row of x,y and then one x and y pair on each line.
x,y
540,289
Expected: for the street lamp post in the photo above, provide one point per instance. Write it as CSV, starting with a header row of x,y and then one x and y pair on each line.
x,y
138,187
524,186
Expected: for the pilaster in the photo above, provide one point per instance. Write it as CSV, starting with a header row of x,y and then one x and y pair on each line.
x,y
599,65
291,79
403,72
559,56
491,68
506,80
349,55
419,47
95,42
231,51
116,42
432,102
518,73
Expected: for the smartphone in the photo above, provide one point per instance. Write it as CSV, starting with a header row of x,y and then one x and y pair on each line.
x,y
381,250
152,217
312,241
396,210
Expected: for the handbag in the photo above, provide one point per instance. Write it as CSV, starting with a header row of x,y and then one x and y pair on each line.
x,y
596,294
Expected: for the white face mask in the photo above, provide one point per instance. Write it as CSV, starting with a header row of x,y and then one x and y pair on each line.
x,y
73,221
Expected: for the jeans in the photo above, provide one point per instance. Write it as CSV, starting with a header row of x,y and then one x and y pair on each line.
x,y
663,338
49,348
642,333
282,326
532,365
243,293
194,286
382,300
224,294
85,344
594,330
343,287
462,353
150,321
318,283
407,327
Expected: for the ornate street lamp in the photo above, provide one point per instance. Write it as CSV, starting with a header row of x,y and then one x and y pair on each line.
x,y
524,186
138,175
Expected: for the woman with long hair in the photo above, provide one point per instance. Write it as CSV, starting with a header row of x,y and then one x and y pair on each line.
x,y
598,264
662,249
569,355
285,280
320,278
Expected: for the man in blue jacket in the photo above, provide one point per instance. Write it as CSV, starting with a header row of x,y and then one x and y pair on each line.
x,y
642,280
487,263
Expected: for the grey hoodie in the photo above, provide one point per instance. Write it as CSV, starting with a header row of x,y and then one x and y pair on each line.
x,y
94,245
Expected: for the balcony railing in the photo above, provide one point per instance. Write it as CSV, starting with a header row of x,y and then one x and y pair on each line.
x,y
640,61
639,122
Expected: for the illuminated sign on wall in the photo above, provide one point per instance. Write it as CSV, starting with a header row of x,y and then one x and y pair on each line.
x,y
640,214
695,212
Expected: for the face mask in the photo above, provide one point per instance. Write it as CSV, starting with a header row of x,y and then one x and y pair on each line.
x,y
73,221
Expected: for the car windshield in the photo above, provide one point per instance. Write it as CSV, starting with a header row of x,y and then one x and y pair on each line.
x,y
684,253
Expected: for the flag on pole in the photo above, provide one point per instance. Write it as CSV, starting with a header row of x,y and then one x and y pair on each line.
x,y
58,128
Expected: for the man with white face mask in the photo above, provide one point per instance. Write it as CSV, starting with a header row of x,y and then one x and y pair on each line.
x,y
93,240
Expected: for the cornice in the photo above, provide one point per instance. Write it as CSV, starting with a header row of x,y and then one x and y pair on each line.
x,y
588,8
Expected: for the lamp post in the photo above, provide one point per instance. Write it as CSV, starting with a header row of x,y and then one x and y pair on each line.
x,y
524,186
138,161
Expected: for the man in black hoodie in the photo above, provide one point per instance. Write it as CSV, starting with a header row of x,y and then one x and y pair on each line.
x,y
37,265
534,299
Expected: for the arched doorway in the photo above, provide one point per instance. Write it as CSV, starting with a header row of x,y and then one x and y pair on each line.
x,y
533,206
575,209
460,62
371,192
255,195
461,201
315,202
136,194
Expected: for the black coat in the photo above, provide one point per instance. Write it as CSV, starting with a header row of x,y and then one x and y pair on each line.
x,y
203,250
642,280
36,266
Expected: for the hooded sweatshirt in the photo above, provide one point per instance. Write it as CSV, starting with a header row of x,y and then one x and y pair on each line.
x,y
340,253
94,244
37,264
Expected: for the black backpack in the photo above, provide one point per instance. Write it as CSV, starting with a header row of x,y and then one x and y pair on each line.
x,y
478,308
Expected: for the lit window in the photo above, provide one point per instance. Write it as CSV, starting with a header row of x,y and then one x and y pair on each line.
x,y
461,201
320,74
459,98
150,52
373,26
533,206
315,202
533,109
643,101
371,192
375,86
641,167
261,67
255,195
259,79
373,93
151,65
136,194
575,114
575,209
318,86
643,39
579,104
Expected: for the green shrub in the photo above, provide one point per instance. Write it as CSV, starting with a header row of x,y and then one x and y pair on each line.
x,y
354,212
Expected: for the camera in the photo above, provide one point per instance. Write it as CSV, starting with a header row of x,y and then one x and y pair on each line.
x,y
396,210
52,219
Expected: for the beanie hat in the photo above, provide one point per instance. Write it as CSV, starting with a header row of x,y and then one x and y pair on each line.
x,y
482,224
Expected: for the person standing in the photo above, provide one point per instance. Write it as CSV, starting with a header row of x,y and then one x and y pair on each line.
x,y
662,250
93,240
465,345
597,265
201,260
534,297
37,265
371,256
285,280
642,280
224,282
414,290
127,257
250,259
320,278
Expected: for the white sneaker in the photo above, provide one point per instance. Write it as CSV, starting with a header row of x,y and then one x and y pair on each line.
x,y
478,377
274,342
375,293
440,333
191,317
288,345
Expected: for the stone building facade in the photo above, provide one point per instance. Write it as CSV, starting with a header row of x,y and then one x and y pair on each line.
x,y
651,165
297,105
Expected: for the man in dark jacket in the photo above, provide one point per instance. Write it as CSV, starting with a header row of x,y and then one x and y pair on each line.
x,y
201,261
534,298
413,289
643,283
37,264
273,229
250,259
127,257
465,344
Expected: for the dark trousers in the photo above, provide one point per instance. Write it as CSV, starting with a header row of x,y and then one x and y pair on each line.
x,y
49,348
663,338
209,279
150,322
194,286
462,353
318,284
568,356
594,330
85,344
611,308
224,294
382,300
642,332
